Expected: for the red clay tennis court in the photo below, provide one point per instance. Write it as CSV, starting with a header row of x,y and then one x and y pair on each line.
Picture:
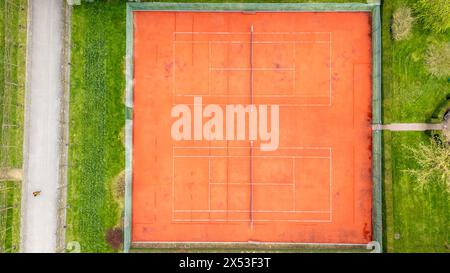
x,y
315,188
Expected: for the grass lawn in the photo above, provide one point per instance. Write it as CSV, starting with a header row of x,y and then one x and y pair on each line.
x,y
419,218
13,22
409,93
10,217
96,152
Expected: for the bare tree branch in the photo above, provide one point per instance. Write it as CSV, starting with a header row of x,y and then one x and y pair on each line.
x,y
434,163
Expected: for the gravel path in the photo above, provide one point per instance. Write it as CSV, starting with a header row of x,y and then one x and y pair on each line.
x,y
42,113
411,127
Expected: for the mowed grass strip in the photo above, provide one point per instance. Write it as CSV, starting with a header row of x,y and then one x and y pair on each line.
x,y
415,220
96,153
13,22
10,216
410,93
421,217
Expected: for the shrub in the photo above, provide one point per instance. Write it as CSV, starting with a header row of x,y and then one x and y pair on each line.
x,y
437,59
441,109
114,237
401,23
434,14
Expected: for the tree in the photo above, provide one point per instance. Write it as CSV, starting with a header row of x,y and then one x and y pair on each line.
x,y
434,163
434,14
114,237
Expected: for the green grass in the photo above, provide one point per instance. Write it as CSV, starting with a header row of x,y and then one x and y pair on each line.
x,y
13,16
96,154
10,216
12,82
410,95
421,218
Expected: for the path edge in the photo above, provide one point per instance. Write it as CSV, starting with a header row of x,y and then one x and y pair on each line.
x,y
26,124
64,131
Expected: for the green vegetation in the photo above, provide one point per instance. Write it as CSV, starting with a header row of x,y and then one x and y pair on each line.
x,y
96,154
13,21
434,14
420,215
416,220
409,93
440,111
438,117
9,216
401,23
437,59
433,165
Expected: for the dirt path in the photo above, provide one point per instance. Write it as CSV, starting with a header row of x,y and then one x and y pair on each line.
x,y
42,113
12,174
409,127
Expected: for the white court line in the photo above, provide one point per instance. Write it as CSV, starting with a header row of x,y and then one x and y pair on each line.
x,y
173,182
295,70
209,71
266,42
255,69
294,182
209,183
254,220
245,156
255,183
279,104
330,187
294,105
246,243
246,147
248,32
174,69
246,42
245,96
329,63
277,184
261,211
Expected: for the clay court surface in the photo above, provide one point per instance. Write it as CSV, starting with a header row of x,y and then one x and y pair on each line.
x,y
315,188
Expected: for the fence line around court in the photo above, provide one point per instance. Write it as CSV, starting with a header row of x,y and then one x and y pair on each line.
x,y
372,6
377,151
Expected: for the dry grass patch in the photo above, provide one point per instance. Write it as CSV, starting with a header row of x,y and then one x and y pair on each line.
x,y
402,22
437,59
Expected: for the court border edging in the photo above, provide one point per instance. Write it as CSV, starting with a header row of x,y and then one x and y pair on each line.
x,y
373,7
